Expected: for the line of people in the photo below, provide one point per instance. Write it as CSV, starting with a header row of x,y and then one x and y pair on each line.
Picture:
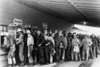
x,y
33,47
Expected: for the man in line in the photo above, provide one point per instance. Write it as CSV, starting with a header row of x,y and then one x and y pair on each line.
x,y
76,50
39,42
30,43
86,42
20,43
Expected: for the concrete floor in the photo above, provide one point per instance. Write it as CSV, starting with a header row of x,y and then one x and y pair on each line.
x,y
65,64
3,63
68,64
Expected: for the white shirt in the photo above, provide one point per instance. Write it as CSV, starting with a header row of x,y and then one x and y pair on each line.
x,y
87,42
49,38
30,40
75,42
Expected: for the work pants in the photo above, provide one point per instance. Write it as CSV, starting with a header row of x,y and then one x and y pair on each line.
x,y
21,54
30,50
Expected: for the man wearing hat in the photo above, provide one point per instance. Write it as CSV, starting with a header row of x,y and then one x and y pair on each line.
x,y
19,42
58,45
75,45
86,42
30,43
10,43
39,38
64,44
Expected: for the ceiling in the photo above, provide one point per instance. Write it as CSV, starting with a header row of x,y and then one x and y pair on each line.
x,y
69,10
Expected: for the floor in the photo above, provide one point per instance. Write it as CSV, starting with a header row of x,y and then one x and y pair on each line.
x,y
3,63
65,64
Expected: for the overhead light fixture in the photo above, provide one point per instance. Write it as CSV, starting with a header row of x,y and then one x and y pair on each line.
x,y
84,23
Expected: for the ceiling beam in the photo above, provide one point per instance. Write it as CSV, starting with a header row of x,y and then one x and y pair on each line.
x,y
50,12
50,8
72,3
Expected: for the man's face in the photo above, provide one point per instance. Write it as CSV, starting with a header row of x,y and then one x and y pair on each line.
x,y
11,33
45,32
28,31
66,34
24,31
56,31
53,35
50,32
85,36
74,36
38,32
60,33
18,33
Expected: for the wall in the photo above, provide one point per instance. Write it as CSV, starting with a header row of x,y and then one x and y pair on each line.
x,y
11,9
80,31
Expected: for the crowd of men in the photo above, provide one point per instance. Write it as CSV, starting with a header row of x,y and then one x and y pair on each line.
x,y
43,47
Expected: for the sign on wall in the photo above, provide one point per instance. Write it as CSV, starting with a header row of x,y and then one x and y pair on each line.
x,y
35,27
12,24
17,21
3,28
26,26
